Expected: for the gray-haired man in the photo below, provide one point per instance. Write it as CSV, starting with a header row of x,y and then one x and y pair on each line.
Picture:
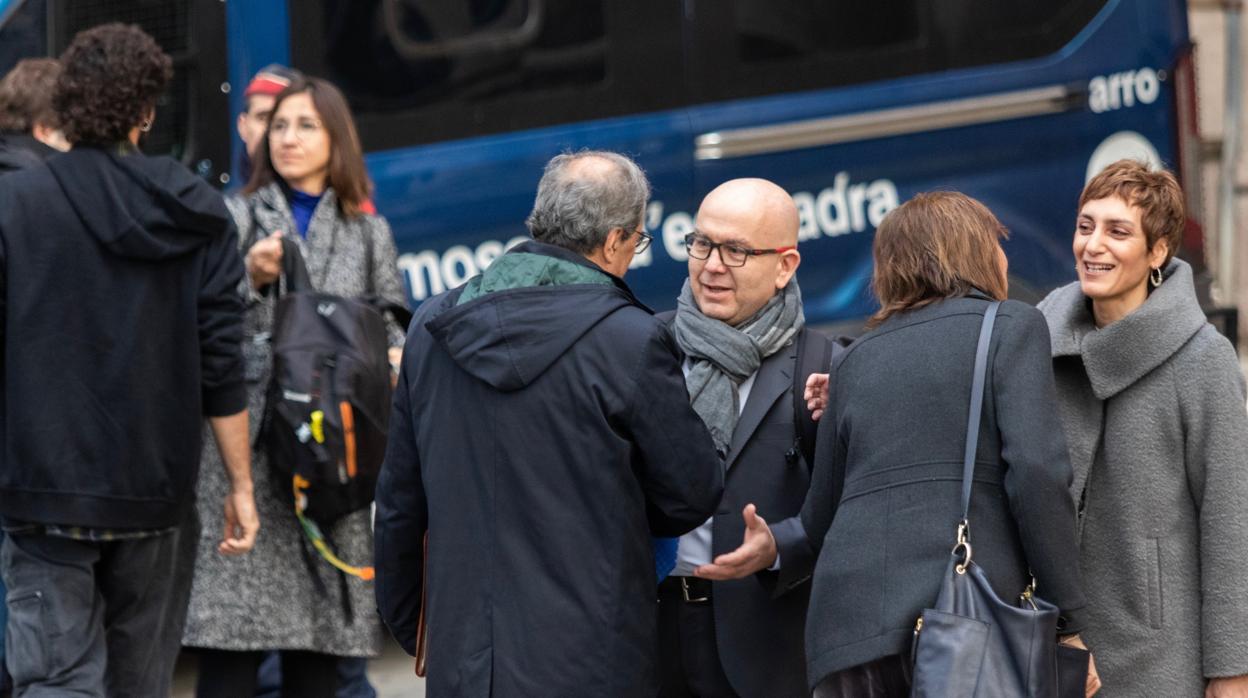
x,y
541,432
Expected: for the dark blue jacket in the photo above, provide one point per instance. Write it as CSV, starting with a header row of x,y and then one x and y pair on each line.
x,y
122,328
540,435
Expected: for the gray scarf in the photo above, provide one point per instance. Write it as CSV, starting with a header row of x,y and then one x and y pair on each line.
x,y
723,356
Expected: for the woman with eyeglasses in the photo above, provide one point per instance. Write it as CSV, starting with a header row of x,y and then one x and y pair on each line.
x,y
309,185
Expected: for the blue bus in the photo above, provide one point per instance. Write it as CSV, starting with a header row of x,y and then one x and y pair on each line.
x,y
851,106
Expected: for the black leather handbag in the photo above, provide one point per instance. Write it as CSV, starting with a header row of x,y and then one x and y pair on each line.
x,y
973,643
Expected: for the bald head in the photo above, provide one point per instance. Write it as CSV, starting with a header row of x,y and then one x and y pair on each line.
x,y
755,205
750,214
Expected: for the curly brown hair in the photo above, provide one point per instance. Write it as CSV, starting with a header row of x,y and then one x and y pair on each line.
x,y
110,78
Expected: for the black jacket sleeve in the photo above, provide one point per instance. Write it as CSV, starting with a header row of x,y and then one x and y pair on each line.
x,y
1038,473
680,470
221,309
401,522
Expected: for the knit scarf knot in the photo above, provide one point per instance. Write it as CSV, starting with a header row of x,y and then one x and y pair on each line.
x,y
722,356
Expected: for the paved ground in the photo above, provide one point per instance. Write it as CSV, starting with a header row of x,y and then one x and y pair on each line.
x,y
391,675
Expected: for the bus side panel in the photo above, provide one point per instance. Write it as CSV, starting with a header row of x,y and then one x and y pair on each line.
x,y
454,207
1029,171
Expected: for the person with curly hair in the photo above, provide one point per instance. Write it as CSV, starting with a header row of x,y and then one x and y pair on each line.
x,y
121,326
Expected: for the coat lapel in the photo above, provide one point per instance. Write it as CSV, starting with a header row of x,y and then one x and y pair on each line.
x,y
775,376
273,213
320,240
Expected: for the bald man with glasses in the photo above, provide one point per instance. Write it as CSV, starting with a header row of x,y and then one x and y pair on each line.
x,y
746,355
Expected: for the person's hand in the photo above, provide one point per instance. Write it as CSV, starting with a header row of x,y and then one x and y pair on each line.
x,y
1227,687
241,523
1094,680
757,551
264,261
395,356
816,394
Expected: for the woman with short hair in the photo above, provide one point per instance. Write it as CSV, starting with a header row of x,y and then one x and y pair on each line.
x,y
884,501
309,185
1152,400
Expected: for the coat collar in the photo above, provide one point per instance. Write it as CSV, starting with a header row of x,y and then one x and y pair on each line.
x,y
318,245
1117,356
548,250
774,377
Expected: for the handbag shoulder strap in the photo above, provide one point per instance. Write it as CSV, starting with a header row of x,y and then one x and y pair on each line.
x,y
977,404
295,276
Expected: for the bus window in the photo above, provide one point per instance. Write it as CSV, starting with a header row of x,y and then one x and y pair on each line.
x,y
748,48
979,32
23,33
420,71
189,125
769,30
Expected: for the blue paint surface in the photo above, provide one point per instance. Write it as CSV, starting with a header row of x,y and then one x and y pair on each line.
x,y
454,205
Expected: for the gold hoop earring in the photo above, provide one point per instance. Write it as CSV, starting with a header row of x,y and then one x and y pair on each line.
x,y
1156,277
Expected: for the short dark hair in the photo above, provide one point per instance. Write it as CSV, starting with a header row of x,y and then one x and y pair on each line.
x,y
111,76
348,175
26,95
937,245
1155,192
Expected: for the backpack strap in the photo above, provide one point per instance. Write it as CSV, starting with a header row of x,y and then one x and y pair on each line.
x,y
814,355
295,275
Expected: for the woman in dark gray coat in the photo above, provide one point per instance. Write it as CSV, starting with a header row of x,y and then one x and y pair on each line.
x,y
884,499
309,185
1152,399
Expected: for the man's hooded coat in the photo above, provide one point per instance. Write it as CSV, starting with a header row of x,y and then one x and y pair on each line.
x,y
541,433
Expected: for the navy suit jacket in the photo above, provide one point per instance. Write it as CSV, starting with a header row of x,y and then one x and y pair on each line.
x,y
759,620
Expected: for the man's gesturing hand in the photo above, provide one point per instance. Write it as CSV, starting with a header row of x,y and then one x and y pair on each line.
x,y
757,551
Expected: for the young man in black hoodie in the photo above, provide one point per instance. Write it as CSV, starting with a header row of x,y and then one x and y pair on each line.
x,y
121,323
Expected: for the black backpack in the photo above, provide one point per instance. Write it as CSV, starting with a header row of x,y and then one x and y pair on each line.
x,y
327,406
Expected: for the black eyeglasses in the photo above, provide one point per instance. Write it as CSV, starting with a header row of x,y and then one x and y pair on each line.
x,y
643,241
732,255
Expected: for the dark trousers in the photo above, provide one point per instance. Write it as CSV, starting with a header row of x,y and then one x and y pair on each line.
x,y
689,662
881,678
230,674
91,618
352,678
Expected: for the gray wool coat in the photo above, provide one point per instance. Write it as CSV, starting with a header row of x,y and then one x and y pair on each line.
x,y
266,599
1153,409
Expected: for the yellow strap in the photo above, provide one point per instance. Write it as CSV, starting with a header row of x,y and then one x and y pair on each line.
x,y
314,534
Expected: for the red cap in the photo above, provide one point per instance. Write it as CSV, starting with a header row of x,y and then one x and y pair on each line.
x,y
271,80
